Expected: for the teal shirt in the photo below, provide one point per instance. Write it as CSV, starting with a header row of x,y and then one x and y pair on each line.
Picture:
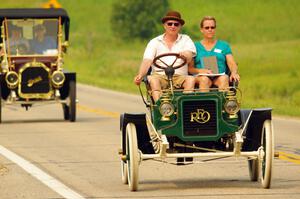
x,y
220,50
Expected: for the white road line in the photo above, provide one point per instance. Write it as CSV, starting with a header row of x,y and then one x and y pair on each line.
x,y
48,180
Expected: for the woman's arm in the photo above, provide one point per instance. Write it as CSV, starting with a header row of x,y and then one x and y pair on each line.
x,y
233,68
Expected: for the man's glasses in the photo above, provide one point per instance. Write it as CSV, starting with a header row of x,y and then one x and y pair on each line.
x,y
209,27
171,24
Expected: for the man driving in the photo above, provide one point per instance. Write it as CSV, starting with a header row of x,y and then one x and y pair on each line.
x,y
169,42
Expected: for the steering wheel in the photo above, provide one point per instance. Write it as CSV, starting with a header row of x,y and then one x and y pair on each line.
x,y
176,55
169,69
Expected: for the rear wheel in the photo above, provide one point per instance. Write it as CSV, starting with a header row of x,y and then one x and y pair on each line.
x,y
253,169
66,111
124,171
132,155
265,165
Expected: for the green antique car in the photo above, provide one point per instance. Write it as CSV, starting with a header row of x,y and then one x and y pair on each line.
x,y
185,128
32,47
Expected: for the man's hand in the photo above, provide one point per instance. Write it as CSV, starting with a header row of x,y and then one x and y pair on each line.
x,y
138,79
187,55
146,63
181,55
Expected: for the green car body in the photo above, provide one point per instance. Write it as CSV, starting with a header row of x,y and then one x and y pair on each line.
x,y
198,116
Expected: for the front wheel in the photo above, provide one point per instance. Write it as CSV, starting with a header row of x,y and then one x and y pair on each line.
x,y
132,155
0,106
69,108
267,144
72,101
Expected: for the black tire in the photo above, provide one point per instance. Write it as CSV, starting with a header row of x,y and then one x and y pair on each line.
x,y
66,111
121,122
0,106
253,169
72,99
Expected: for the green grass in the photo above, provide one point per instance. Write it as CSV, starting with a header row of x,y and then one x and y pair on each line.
x,y
270,76
264,34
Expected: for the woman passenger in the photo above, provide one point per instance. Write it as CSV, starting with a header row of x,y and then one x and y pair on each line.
x,y
209,46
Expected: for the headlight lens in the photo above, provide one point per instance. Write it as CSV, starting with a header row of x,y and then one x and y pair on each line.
x,y
231,106
166,109
58,78
12,79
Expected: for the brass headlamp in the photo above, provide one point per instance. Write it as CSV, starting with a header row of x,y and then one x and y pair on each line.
x,y
12,79
58,78
166,108
231,105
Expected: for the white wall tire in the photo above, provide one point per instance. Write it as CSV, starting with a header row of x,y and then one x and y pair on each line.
x,y
132,157
266,164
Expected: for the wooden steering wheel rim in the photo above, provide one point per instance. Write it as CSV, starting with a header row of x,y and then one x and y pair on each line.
x,y
166,55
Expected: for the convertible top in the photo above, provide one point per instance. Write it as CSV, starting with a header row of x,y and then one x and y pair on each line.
x,y
37,13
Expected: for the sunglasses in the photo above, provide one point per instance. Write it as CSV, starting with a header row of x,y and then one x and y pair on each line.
x,y
209,27
175,24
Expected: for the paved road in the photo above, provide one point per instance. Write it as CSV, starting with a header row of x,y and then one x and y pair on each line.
x,y
83,157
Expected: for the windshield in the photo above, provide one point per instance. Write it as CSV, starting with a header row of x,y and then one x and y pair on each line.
x,y
32,36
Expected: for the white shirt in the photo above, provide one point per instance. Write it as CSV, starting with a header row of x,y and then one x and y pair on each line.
x,y
157,46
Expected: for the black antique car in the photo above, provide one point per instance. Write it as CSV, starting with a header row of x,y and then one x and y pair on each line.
x,y
32,45
195,127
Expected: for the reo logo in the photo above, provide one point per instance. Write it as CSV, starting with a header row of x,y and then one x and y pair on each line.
x,y
33,81
201,116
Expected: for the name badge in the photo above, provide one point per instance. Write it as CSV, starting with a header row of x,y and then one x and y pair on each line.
x,y
217,50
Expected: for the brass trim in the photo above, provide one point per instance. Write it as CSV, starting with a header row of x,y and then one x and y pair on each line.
x,y
35,64
15,84
169,114
231,97
166,99
59,84
4,33
201,116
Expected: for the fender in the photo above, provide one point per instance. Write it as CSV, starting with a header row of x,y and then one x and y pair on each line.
x,y
253,129
3,86
64,90
139,119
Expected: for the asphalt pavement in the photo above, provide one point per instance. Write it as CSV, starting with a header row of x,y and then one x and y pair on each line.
x,y
48,157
